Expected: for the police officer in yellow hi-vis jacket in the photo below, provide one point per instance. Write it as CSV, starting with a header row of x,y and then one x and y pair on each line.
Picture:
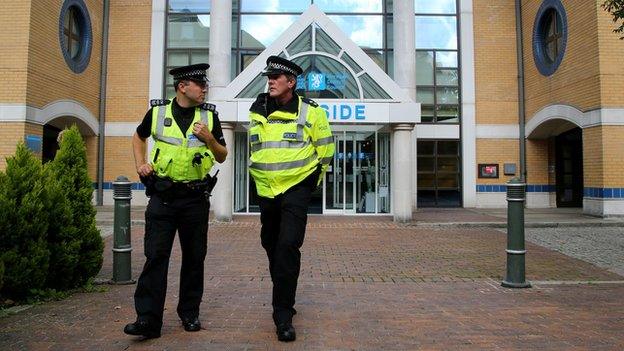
x,y
291,147
187,142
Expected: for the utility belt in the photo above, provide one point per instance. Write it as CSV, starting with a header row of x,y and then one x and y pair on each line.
x,y
169,189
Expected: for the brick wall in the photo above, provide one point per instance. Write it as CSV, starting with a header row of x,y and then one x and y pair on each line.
x,y
495,62
128,79
14,24
606,165
611,67
577,80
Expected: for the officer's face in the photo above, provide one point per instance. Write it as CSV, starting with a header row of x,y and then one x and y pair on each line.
x,y
280,85
195,91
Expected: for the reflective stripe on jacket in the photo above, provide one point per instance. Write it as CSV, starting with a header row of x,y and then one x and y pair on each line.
x,y
180,157
287,147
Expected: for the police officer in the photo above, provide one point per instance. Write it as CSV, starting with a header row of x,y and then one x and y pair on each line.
x,y
291,147
187,141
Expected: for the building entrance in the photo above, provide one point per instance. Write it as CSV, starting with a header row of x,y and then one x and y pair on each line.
x,y
569,168
358,178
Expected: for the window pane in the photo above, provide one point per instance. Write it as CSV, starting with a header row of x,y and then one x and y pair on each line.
x,y
426,180
257,86
198,56
436,32
177,58
426,113
324,43
448,147
302,43
324,77
446,59
448,180
260,31
447,95
274,5
424,95
234,31
377,57
447,77
437,6
351,62
391,64
424,67
349,6
425,164
189,31
448,164
425,147
189,6
448,114
448,197
371,89
365,31
247,59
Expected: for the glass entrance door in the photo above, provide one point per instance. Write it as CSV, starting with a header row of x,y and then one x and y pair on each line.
x,y
351,181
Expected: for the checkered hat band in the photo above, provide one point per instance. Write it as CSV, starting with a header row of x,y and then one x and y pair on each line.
x,y
279,66
197,72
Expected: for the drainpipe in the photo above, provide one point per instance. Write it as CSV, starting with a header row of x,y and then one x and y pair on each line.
x,y
521,112
103,72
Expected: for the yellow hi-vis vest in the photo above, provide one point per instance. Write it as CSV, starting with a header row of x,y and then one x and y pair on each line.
x,y
287,147
175,155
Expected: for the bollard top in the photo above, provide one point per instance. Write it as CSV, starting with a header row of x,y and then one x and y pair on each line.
x,y
515,181
121,180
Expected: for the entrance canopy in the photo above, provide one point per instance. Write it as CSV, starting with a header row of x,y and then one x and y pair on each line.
x,y
337,74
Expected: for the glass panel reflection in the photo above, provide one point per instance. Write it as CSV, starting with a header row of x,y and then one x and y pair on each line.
x,y
274,5
436,32
257,86
371,89
260,31
424,95
373,6
302,43
324,43
324,77
189,6
365,31
447,76
447,95
424,67
437,6
189,31
446,59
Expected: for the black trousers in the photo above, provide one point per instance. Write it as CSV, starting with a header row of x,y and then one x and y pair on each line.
x,y
284,221
189,217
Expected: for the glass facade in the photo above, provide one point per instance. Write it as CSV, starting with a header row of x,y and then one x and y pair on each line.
x,y
330,73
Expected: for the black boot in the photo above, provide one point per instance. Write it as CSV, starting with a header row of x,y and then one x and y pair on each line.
x,y
142,328
286,332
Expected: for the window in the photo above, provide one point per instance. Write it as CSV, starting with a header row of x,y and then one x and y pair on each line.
x,y
188,37
75,35
549,36
438,165
256,25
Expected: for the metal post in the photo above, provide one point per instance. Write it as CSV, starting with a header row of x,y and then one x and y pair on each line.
x,y
122,247
516,194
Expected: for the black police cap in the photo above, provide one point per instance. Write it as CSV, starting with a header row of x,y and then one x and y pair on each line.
x,y
196,72
278,65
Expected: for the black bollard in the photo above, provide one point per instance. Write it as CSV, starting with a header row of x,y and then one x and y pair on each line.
x,y
122,247
516,251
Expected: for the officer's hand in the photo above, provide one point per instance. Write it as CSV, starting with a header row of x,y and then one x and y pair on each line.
x,y
145,170
201,131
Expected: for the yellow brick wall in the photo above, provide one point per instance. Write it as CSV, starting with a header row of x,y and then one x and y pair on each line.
x,y
12,133
577,80
119,159
14,24
495,62
611,67
127,91
537,162
498,151
603,156
49,77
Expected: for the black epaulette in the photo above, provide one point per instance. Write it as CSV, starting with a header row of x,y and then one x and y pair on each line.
x,y
159,102
309,102
208,107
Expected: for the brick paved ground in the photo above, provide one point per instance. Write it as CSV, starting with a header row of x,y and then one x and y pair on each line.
x,y
366,284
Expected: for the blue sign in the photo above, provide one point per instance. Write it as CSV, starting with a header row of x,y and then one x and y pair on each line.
x,y
316,81
345,112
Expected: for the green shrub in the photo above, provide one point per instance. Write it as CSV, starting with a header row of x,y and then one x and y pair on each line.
x,y
63,237
23,225
70,168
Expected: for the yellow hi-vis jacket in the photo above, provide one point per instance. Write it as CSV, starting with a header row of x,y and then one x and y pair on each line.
x,y
287,147
180,157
